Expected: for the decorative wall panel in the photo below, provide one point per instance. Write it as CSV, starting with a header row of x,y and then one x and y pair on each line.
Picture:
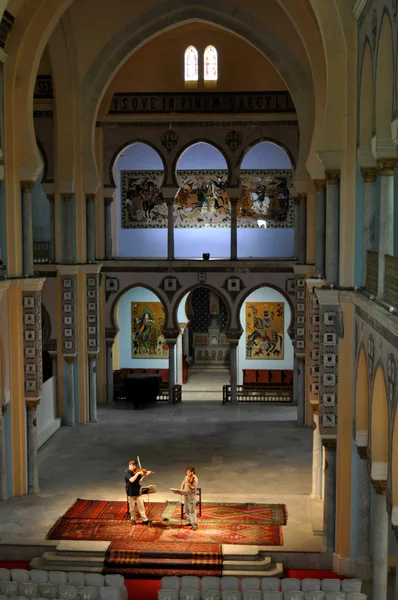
x,y
264,330
147,323
328,370
93,338
314,349
142,202
31,307
69,316
266,197
202,200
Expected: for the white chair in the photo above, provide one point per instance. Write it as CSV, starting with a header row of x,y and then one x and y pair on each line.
x,y
290,584
310,585
356,596
210,582
68,592
58,577
189,593
48,590
250,584
252,595
117,581
88,592
273,595
39,576
318,595
293,595
230,583
94,579
168,594
108,593
331,585
231,595
28,589
20,575
270,584
351,585
76,578
8,588
170,583
5,575
190,582
335,596
210,595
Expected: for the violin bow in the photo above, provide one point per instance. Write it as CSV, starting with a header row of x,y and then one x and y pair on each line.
x,y
139,462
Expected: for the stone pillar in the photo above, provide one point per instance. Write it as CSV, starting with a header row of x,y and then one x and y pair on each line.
x,y
302,229
380,542
233,356
27,227
92,379
316,491
185,342
363,562
332,253
329,503
179,358
50,198
109,370
386,167
299,367
108,227
320,221
234,228
68,239
53,355
70,413
172,366
369,216
3,462
296,221
33,466
90,207
170,228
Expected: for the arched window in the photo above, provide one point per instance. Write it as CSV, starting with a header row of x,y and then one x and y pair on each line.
x,y
191,64
210,64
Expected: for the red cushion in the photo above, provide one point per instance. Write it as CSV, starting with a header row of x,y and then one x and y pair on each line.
x,y
139,370
249,376
165,375
263,376
287,377
152,371
275,376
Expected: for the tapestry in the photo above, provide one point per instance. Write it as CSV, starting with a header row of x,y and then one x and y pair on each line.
x,y
142,202
202,200
264,330
266,200
147,322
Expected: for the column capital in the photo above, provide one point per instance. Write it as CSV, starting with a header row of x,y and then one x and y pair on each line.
x,y
32,285
66,270
332,177
363,452
50,198
171,342
171,334
4,285
27,186
296,200
90,197
67,197
380,487
329,444
32,405
320,184
302,196
315,409
93,355
387,166
170,201
108,200
233,335
4,408
69,358
369,174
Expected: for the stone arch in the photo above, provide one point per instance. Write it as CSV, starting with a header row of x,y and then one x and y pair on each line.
x,y
108,169
44,159
186,290
379,427
384,80
366,102
113,307
272,141
193,143
394,462
362,400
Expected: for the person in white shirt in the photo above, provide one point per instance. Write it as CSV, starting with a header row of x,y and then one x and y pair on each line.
x,y
190,485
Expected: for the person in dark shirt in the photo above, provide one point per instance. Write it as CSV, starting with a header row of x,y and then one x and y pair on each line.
x,y
133,477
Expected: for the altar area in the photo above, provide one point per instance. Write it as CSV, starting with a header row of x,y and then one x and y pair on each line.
x,y
211,348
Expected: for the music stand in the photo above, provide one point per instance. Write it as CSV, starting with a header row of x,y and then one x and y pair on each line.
x,y
199,502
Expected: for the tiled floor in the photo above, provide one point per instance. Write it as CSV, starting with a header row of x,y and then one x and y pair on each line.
x,y
243,453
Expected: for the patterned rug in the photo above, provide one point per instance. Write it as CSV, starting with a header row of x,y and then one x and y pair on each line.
x,y
221,512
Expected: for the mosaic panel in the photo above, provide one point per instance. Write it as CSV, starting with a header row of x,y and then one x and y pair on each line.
x,y
202,200
266,198
32,335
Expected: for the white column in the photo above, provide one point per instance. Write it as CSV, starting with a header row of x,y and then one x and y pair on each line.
x,y
108,227
109,370
302,232
90,208
170,228
234,228
70,415
233,354
329,505
53,355
299,367
172,367
92,370
363,563
332,228
386,235
179,359
33,466
68,240
3,462
380,542
50,198
27,227
316,491
320,222
369,216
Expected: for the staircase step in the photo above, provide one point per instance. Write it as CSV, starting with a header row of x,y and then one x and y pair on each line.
x,y
262,561
51,558
39,563
275,571
82,548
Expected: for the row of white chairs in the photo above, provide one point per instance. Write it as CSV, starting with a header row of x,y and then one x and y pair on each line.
x,y
191,594
265,584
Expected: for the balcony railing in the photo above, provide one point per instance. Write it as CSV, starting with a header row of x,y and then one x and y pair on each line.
x,y
372,272
41,252
391,281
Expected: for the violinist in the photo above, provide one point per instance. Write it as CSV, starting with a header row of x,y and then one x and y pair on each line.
x,y
190,485
134,476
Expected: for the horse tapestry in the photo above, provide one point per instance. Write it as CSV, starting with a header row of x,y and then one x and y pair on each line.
x,y
264,330
265,198
147,322
142,202
202,199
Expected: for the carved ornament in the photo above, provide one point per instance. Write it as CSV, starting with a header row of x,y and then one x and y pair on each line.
x,y
27,186
315,408
380,487
363,452
90,197
170,201
329,444
333,177
32,405
69,358
387,166
320,184
67,197
50,198
369,175
108,200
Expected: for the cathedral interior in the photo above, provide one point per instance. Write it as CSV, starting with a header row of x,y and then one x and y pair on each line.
x,y
199,265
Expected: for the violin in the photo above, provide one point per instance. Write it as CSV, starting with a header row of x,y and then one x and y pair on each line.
x,y
145,472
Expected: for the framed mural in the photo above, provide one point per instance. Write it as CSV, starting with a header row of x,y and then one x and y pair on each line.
x,y
264,330
142,202
202,200
147,322
265,197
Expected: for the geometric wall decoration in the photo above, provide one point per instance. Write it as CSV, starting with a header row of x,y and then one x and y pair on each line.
x,y
92,288
69,314
147,322
328,369
314,353
32,341
264,330
300,329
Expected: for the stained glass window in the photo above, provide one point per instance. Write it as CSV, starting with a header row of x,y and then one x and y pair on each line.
x,y
191,64
210,64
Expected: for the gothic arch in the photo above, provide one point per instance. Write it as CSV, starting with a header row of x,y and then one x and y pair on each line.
x,y
193,143
362,400
379,440
384,80
183,292
366,101
108,169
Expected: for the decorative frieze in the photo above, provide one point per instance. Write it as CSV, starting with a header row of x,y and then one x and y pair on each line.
x,y
93,326
32,340
300,333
